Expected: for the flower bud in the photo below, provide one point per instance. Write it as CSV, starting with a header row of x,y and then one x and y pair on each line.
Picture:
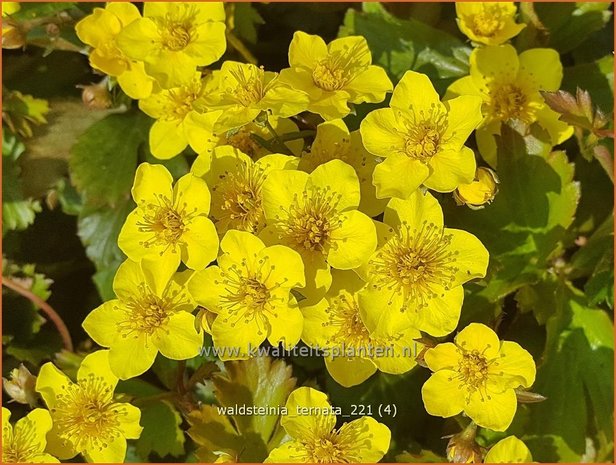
x,y
482,190
96,96
21,386
13,37
462,447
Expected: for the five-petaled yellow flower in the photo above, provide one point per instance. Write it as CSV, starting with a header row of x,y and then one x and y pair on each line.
x,y
243,91
311,422
180,119
151,314
421,139
249,291
316,214
508,450
416,274
174,38
237,181
509,86
25,441
490,23
86,419
355,349
170,223
477,374
100,30
333,141
335,74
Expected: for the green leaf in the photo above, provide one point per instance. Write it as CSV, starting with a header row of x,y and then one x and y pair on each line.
x,y
161,430
577,378
98,230
104,159
525,225
399,45
247,19
597,78
18,212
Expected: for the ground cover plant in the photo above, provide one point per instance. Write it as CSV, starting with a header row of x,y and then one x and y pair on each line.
x,y
307,232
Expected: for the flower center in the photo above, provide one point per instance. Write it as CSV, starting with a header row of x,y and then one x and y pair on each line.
x,y
176,36
165,222
19,443
417,264
249,86
489,22
344,315
326,450
311,219
424,134
510,102
86,415
181,101
340,67
247,296
242,141
240,198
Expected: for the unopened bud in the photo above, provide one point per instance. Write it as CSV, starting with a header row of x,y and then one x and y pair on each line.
x,y
527,397
479,192
21,386
462,447
13,37
96,96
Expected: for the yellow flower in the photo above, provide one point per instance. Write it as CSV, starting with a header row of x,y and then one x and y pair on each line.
x,y
316,215
237,183
417,271
311,422
170,223
152,313
25,442
242,138
490,23
180,119
174,38
509,450
9,8
85,417
100,30
249,291
509,86
421,139
244,90
477,374
481,191
355,349
335,74
333,141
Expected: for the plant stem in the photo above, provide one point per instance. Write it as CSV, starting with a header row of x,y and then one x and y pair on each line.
x,y
45,307
181,388
297,135
238,45
279,142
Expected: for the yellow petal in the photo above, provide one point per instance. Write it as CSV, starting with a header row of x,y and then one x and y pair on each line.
x,y
444,356
98,28
370,85
550,120
306,50
509,450
101,324
350,371
289,452
126,12
399,176
494,61
167,139
340,178
206,287
50,383
151,181
380,133
97,364
479,337
236,336
316,331
541,67
471,257
35,426
354,241
286,265
442,395
415,91
129,421
463,117
139,39
209,43
179,340
463,86
298,424
279,189
131,356
241,245
135,82
370,437
516,364
494,411
115,452
201,243
413,211
286,325
450,169
442,313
